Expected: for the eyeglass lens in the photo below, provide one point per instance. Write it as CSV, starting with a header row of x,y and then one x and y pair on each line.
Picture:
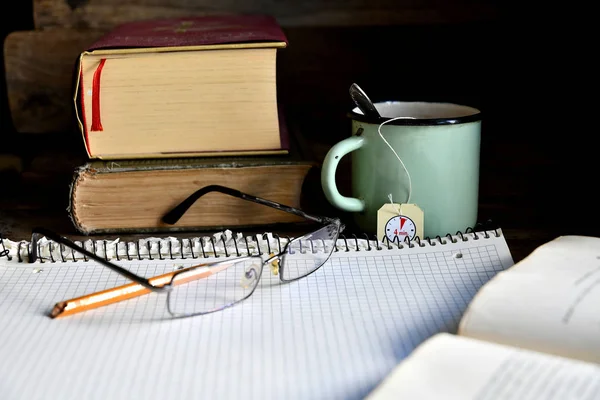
x,y
212,288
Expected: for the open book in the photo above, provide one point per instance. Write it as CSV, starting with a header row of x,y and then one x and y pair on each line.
x,y
532,332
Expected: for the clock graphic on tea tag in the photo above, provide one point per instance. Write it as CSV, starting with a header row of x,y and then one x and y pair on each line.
x,y
399,221
400,226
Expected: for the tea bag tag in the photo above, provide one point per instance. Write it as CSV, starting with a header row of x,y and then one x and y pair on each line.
x,y
399,221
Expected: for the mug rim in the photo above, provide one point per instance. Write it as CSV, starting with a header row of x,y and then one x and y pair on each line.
x,y
418,121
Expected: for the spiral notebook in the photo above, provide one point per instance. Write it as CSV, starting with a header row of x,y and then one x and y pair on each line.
x,y
334,334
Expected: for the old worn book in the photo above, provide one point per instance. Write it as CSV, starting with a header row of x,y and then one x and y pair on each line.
x,y
133,195
531,332
182,87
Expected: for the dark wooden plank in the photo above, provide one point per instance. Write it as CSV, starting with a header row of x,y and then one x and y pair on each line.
x,y
104,14
39,67
10,163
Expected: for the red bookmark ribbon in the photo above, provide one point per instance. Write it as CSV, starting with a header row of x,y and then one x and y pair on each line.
x,y
96,121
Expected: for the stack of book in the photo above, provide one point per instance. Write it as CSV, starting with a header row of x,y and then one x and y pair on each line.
x,y
168,106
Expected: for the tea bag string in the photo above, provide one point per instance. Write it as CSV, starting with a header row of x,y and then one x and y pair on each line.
x,y
396,154
396,207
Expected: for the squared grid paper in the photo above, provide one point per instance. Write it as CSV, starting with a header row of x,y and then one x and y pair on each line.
x,y
332,335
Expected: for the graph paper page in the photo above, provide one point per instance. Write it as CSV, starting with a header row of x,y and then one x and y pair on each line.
x,y
332,335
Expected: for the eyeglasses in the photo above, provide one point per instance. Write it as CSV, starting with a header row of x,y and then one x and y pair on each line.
x,y
210,287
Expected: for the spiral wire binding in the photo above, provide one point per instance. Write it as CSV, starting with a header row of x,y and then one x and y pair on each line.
x,y
244,248
482,228
4,252
258,245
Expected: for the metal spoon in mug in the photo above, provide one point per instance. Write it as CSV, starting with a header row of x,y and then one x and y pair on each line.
x,y
363,102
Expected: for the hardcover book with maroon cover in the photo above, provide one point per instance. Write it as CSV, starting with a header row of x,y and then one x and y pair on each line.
x,y
182,87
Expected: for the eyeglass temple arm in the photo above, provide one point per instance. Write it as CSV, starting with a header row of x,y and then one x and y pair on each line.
x,y
176,213
119,270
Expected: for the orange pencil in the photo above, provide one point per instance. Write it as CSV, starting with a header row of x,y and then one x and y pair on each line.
x,y
128,291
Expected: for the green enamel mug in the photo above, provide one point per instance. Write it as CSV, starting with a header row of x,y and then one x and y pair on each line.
x,y
428,151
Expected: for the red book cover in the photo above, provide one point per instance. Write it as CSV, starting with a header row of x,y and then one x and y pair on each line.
x,y
193,31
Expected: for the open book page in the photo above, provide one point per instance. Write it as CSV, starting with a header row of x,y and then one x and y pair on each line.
x,y
549,301
454,367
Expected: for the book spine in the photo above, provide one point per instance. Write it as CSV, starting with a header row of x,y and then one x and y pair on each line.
x,y
79,108
71,211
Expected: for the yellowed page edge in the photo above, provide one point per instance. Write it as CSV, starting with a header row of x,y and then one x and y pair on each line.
x,y
123,134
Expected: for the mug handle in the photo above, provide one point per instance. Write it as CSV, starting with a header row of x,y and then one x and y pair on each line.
x,y
329,167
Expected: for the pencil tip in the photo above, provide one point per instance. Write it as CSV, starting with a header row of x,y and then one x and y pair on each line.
x,y
58,309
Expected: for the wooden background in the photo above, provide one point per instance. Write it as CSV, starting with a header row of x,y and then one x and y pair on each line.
x,y
537,172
